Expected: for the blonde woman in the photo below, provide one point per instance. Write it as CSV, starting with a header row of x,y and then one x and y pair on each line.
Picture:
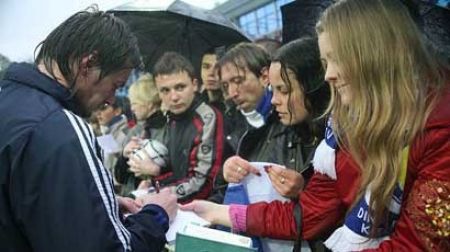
x,y
146,107
389,189
145,102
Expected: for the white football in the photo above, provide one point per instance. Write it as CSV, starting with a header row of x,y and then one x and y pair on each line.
x,y
155,150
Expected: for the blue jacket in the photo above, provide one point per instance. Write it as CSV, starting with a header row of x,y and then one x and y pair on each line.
x,y
55,194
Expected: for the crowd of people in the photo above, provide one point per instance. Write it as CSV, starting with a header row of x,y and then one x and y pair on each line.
x,y
353,124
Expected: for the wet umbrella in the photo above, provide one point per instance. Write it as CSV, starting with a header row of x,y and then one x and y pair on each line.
x,y
163,26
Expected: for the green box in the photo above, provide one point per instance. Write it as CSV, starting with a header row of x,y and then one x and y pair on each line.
x,y
186,243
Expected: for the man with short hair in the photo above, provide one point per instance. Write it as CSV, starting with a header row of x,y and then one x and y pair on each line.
x,y
55,194
195,131
211,90
244,76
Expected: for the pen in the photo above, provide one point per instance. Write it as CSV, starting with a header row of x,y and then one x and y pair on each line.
x,y
155,184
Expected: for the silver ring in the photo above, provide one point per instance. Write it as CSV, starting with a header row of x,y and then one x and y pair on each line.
x,y
282,180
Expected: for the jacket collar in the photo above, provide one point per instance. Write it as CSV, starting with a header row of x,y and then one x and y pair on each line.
x,y
156,120
28,75
189,112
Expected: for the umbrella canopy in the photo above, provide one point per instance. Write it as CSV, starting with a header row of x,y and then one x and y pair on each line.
x,y
162,26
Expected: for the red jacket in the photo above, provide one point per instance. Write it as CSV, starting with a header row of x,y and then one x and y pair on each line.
x,y
422,225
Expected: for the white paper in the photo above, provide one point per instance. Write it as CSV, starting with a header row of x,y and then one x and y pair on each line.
x,y
182,219
108,144
217,235
139,192
260,188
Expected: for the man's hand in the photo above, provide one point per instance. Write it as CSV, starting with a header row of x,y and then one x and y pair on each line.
x,y
128,205
165,199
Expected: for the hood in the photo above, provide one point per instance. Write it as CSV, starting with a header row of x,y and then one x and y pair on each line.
x,y
28,75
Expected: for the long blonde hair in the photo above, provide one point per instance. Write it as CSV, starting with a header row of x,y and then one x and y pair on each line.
x,y
384,60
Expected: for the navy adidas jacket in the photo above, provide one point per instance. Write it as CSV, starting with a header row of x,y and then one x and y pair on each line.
x,y
55,195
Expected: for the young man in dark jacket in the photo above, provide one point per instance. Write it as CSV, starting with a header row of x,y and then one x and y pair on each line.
x,y
195,132
55,194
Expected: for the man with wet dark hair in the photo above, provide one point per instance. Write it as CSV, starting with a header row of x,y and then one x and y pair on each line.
x,y
89,42
55,194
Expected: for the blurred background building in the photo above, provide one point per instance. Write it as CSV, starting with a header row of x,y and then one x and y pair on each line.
x,y
257,19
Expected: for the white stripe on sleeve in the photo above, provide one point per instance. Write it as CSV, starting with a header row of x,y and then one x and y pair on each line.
x,y
105,193
107,178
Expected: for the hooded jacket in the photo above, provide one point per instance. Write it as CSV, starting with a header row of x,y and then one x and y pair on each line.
x,y
55,194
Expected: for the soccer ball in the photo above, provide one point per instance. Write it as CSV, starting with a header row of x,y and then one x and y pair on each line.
x,y
155,150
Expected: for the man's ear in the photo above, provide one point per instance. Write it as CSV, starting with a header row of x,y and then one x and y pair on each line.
x,y
264,77
87,62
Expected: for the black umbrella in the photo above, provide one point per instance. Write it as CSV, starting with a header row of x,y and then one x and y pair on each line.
x,y
163,26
